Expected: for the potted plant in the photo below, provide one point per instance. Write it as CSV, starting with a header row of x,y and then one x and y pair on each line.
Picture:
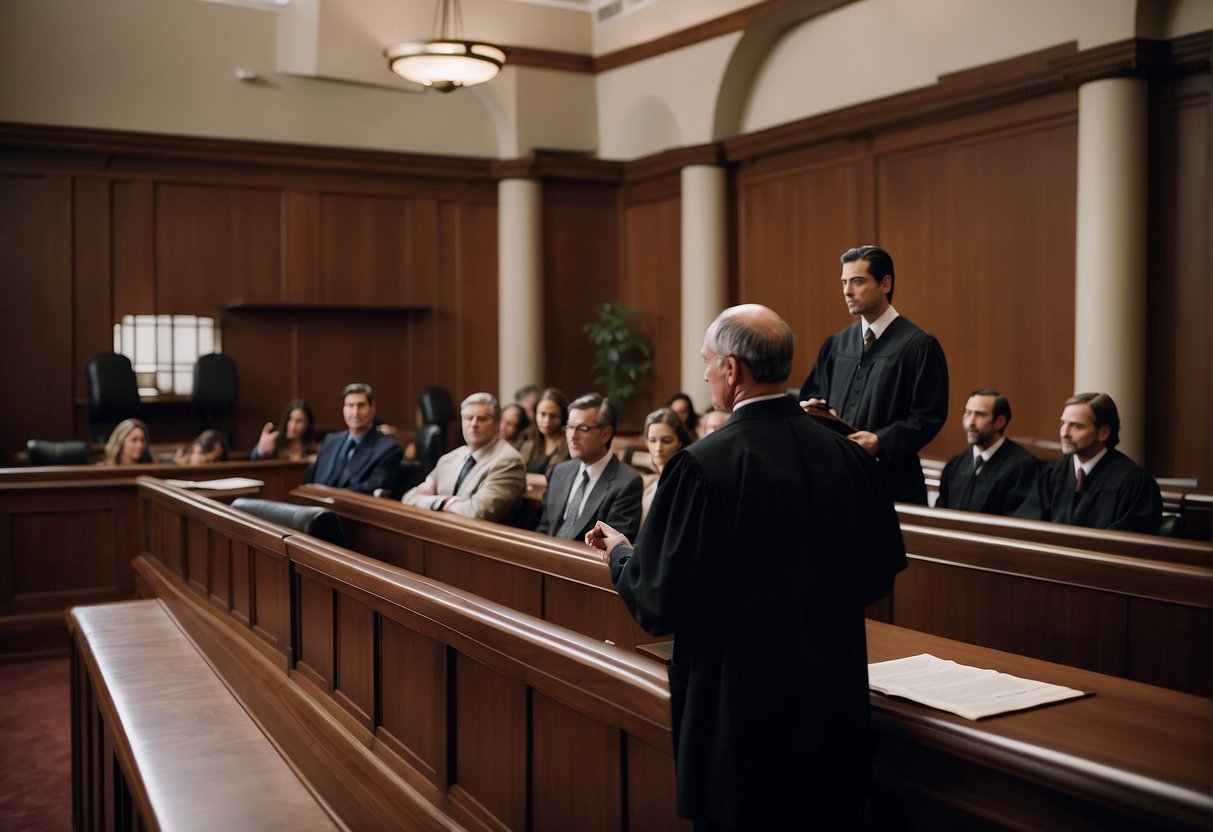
x,y
622,355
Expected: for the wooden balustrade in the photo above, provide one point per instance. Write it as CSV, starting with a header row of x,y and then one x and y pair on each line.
x,y
67,535
398,690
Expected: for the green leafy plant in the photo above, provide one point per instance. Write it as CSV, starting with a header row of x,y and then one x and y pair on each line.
x,y
622,355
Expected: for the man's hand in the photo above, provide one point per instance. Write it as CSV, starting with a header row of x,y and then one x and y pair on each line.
x,y
867,440
816,404
268,443
603,538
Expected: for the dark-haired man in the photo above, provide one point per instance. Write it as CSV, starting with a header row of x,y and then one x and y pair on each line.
x,y
1094,484
359,458
882,374
996,474
593,484
765,541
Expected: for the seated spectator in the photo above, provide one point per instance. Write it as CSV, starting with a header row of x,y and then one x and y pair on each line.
x,y
129,444
526,397
1094,484
514,423
358,458
593,485
681,404
294,436
545,445
210,446
712,419
665,435
483,478
997,474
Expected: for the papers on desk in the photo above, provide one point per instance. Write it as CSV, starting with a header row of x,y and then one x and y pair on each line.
x,y
225,484
971,692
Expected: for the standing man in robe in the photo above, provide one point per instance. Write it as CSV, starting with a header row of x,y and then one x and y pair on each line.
x,y
765,541
882,374
1094,484
997,473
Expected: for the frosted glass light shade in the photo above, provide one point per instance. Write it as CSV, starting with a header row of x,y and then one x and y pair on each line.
x,y
445,65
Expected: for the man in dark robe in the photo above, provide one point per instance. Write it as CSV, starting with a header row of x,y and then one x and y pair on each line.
x,y
1094,484
765,541
882,374
997,474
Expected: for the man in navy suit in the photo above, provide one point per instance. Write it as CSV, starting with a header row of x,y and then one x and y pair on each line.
x,y
594,485
360,458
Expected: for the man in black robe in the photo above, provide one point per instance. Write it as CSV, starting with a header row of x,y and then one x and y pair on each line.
x,y
1094,484
765,541
997,474
882,374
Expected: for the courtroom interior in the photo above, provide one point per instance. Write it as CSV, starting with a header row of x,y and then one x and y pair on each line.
x,y
210,209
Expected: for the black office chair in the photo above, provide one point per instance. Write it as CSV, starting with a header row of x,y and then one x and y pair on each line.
x,y
437,408
214,393
413,471
318,521
69,452
113,394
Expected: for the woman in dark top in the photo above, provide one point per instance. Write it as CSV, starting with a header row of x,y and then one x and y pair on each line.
x,y
544,445
681,404
293,438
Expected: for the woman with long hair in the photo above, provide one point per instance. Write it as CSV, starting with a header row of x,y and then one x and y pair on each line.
x,y
544,446
129,444
665,435
292,438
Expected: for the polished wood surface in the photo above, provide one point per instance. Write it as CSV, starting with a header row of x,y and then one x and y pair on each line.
x,y
557,580
1132,756
1130,544
67,534
1100,611
1131,747
436,687
186,755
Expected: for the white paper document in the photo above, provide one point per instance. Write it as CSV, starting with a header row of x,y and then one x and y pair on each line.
x,y
225,484
971,692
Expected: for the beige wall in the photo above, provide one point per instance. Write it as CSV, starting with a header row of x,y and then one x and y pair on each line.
x,y
169,66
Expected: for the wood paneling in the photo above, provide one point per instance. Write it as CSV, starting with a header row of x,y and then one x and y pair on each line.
x,y
489,770
575,770
650,280
214,244
581,271
1179,376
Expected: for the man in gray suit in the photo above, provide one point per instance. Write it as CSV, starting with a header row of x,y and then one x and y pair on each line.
x,y
593,485
484,478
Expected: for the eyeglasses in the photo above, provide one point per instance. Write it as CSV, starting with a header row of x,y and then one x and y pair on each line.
x,y
582,429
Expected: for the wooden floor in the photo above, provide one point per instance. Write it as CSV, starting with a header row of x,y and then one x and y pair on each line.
x,y
35,745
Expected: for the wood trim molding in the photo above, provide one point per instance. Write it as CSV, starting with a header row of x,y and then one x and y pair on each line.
x,y
112,149
672,161
723,25
554,165
547,59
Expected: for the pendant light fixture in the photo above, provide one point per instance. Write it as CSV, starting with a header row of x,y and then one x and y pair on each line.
x,y
446,62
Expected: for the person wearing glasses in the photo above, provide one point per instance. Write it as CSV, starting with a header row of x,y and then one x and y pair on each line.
x,y
593,485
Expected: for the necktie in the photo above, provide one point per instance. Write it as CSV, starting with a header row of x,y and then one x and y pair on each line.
x,y
1079,476
347,456
869,338
463,472
978,464
569,527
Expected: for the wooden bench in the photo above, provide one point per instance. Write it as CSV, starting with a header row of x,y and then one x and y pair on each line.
x,y
67,534
159,742
557,580
1130,544
1091,609
502,720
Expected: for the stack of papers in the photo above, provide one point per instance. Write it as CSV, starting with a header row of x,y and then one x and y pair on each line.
x,y
971,692
225,484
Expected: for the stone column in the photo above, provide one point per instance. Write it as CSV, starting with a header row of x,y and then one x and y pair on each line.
x,y
520,286
1110,251
704,269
